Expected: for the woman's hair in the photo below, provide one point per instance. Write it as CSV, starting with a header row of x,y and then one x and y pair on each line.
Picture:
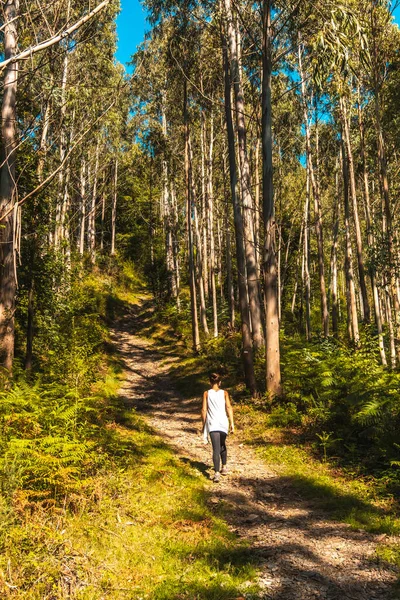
x,y
215,378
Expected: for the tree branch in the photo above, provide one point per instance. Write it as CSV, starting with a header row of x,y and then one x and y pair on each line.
x,y
55,39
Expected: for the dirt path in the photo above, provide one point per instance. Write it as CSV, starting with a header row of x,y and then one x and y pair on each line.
x,y
302,555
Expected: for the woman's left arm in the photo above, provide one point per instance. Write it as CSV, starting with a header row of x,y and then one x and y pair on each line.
x,y
229,412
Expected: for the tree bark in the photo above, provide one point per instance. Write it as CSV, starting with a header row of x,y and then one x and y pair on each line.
x,y
188,186
210,199
92,214
357,226
8,284
81,239
272,346
352,306
247,350
114,209
245,186
306,256
317,207
199,254
370,239
334,261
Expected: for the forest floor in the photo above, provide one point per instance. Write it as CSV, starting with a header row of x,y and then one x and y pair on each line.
x,y
299,552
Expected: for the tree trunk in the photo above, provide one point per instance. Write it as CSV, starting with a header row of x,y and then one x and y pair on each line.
x,y
306,267
247,351
199,254
229,279
114,209
30,328
370,239
188,187
210,198
204,202
203,312
103,214
357,227
387,224
257,210
272,347
92,214
245,186
352,306
175,244
317,206
63,150
334,264
392,343
81,239
8,190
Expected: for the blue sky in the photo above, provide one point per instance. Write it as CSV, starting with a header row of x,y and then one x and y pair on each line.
x,y
131,27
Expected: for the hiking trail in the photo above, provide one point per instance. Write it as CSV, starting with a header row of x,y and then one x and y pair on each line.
x,y
301,554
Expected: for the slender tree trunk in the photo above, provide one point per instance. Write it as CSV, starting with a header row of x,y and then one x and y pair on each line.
x,y
188,187
247,351
199,254
114,208
92,214
166,208
203,312
81,239
204,202
229,281
307,279
370,238
392,343
334,261
357,226
247,202
387,224
210,198
317,207
44,135
272,347
257,210
8,190
175,244
103,214
298,258
63,151
352,306
30,328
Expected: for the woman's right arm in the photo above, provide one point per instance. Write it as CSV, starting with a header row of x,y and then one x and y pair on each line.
x,y
204,409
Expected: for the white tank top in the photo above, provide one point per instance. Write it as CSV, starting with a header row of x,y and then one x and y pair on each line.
x,y
217,419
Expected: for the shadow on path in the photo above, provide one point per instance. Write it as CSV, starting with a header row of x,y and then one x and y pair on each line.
x,y
300,551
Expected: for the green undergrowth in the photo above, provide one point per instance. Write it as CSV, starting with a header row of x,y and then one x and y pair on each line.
x,y
93,504
358,501
333,438
140,527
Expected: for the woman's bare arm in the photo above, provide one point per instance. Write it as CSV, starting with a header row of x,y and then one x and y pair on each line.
x,y
229,411
204,409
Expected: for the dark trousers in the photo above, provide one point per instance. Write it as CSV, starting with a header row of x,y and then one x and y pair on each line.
x,y
218,439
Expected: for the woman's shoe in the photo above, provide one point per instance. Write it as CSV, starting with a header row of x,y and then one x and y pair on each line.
x,y
217,477
224,470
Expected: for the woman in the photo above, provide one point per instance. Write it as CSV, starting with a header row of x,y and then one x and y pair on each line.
x,y
217,417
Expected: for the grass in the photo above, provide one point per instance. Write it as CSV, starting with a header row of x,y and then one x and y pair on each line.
x,y
362,502
141,529
129,520
356,501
